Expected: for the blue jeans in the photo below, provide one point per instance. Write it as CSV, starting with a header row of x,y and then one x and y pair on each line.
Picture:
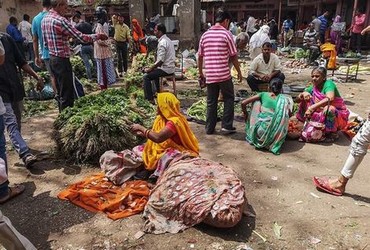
x,y
15,136
4,186
87,54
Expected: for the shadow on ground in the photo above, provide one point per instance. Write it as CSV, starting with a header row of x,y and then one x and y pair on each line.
x,y
56,216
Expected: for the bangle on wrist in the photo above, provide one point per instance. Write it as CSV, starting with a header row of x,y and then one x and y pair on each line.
x,y
147,133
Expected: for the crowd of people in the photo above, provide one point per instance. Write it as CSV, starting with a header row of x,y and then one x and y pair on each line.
x,y
170,155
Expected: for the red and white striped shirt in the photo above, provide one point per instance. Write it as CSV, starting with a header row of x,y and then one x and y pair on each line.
x,y
216,46
56,30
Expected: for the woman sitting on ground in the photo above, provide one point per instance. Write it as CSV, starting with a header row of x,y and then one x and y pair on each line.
x,y
321,102
169,136
190,190
267,125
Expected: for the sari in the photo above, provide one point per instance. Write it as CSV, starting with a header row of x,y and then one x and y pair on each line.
x,y
335,116
104,59
169,110
267,128
336,34
329,52
138,36
192,191
257,40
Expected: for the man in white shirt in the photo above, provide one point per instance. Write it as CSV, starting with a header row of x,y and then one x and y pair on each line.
x,y
164,65
25,28
264,68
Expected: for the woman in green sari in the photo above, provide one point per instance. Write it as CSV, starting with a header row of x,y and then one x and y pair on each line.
x,y
267,125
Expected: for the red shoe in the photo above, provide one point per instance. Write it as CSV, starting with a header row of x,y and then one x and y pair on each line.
x,y
323,184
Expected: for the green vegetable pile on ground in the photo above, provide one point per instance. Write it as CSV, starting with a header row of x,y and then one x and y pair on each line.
x,y
78,67
134,79
191,73
198,110
32,108
141,61
134,76
101,122
351,54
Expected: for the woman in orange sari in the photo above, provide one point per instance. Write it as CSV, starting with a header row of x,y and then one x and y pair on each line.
x,y
138,37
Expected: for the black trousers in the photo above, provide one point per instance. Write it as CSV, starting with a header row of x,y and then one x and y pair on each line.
x,y
356,42
213,90
148,78
122,53
253,81
62,70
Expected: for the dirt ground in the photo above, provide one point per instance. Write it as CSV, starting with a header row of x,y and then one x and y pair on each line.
x,y
279,190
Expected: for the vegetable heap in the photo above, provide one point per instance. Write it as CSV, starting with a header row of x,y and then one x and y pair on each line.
x,y
101,122
78,67
134,76
198,110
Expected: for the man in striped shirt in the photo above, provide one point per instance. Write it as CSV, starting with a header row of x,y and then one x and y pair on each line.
x,y
324,25
310,42
56,32
216,49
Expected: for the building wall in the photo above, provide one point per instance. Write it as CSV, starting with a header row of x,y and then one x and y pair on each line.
x,y
17,8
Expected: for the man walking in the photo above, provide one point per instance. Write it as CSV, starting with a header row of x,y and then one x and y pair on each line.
x,y
41,52
25,29
13,31
216,48
323,26
56,32
12,93
122,38
87,49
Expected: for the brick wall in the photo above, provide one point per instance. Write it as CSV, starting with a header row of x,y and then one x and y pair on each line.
x,y
17,8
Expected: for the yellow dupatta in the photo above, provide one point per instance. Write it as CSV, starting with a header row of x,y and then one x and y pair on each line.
x,y
330,48
169,107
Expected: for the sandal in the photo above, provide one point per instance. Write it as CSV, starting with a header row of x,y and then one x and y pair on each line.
x,y
323,184
13,192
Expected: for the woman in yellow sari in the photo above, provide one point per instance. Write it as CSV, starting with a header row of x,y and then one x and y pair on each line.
x,y
169,137
190,190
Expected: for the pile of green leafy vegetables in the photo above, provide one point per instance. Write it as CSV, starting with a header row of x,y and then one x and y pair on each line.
x,y
101,122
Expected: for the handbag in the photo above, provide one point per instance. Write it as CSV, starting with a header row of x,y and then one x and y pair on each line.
x,y
314,131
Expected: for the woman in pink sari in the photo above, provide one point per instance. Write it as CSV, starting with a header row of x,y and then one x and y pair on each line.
x,y
321,102
336,34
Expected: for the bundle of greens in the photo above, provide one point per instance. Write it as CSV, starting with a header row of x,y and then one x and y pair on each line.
x,y
78,67
101,122
192,73
134,76
198,110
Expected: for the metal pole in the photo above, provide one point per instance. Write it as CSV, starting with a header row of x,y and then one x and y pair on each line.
x,y
279,19
355,4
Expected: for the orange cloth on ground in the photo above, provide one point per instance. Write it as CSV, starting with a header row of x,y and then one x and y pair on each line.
x,y
328,49
137,34
169,110
95,193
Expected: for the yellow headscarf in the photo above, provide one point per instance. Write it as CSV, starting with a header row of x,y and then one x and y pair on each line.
x,y
330,48
169,107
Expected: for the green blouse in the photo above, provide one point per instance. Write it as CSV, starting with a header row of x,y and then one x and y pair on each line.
x,y
329,86
267,101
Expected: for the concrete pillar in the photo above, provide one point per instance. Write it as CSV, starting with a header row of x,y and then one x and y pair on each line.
x,y
136,10
189,22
